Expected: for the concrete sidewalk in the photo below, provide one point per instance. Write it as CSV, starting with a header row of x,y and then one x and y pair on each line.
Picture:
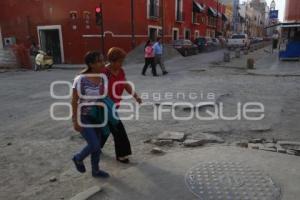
x,y
243,174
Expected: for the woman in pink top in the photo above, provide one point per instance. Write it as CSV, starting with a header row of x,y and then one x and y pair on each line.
x,y
149,59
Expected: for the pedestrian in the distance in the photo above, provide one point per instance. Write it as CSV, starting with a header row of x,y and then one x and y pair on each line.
x,y
158,51
149,59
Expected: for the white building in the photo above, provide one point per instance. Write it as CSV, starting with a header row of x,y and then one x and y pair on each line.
x,y
253,17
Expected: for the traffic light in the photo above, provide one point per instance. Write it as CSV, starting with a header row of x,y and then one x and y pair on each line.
x,y
99,17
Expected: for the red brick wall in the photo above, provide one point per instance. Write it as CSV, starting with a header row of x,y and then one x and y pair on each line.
x,y
292,10
21,18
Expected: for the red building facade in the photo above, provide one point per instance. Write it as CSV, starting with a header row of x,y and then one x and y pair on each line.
x,y
68,28
292,10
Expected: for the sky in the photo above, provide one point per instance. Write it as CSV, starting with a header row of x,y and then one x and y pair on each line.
x,y
280,5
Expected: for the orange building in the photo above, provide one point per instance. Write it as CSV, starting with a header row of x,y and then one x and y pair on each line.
x,y
292,10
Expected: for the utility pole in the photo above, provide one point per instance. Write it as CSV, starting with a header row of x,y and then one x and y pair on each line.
x,y
217,17
99,22
133,43
162,21
102,31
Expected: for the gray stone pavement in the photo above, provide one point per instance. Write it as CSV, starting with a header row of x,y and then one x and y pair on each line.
x,y
34,148
164,177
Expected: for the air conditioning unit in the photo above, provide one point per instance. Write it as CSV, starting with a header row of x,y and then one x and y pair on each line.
x,y
8,41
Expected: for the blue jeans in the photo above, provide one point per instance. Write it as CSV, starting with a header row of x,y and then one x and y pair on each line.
x,y
93,147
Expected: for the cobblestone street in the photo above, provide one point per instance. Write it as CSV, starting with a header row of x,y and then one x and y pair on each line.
x,y
36,151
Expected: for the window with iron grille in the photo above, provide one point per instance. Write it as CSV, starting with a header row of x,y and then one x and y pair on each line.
x,y
179,11
153,8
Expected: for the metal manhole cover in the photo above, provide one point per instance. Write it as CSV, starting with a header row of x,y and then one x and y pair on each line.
x,y
230,181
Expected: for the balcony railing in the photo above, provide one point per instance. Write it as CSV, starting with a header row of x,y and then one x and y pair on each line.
x,y
154,11
180,16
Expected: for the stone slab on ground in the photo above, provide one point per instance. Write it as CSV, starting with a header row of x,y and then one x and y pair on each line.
x,y
255,146
87,193
270,145
169,135
157,150
163,142
208,138
280,149
293,145
268,149
192,143
164,177
242,144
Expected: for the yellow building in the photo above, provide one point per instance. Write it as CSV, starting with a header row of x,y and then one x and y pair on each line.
x,y
229,15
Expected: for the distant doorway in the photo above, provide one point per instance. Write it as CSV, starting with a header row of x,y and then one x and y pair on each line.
x,y
153,34
50,40
187,34
175,34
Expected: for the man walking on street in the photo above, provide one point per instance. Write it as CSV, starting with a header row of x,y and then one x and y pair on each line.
x,y
158,51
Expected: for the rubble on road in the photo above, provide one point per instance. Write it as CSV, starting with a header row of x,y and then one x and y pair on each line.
x,y
242,144
290,145
209,138
168,138
260,128
148,141
53,179
193,143
268,149
255,146
285,147
257,140
169,135
87,193
202,139
163,142
157,150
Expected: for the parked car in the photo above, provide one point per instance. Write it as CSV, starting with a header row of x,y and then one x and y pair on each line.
x,y
185,47
239,41
204,44
255,40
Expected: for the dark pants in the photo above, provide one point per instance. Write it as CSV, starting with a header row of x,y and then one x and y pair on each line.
x,y
275,44
151,62
159,61
122,144
93,147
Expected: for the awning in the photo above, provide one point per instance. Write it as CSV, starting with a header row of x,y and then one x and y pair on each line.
x,y
197,7
293,25
285,25
212,12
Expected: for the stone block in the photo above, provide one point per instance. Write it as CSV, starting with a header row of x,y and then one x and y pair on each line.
x,y
87,193
169,135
